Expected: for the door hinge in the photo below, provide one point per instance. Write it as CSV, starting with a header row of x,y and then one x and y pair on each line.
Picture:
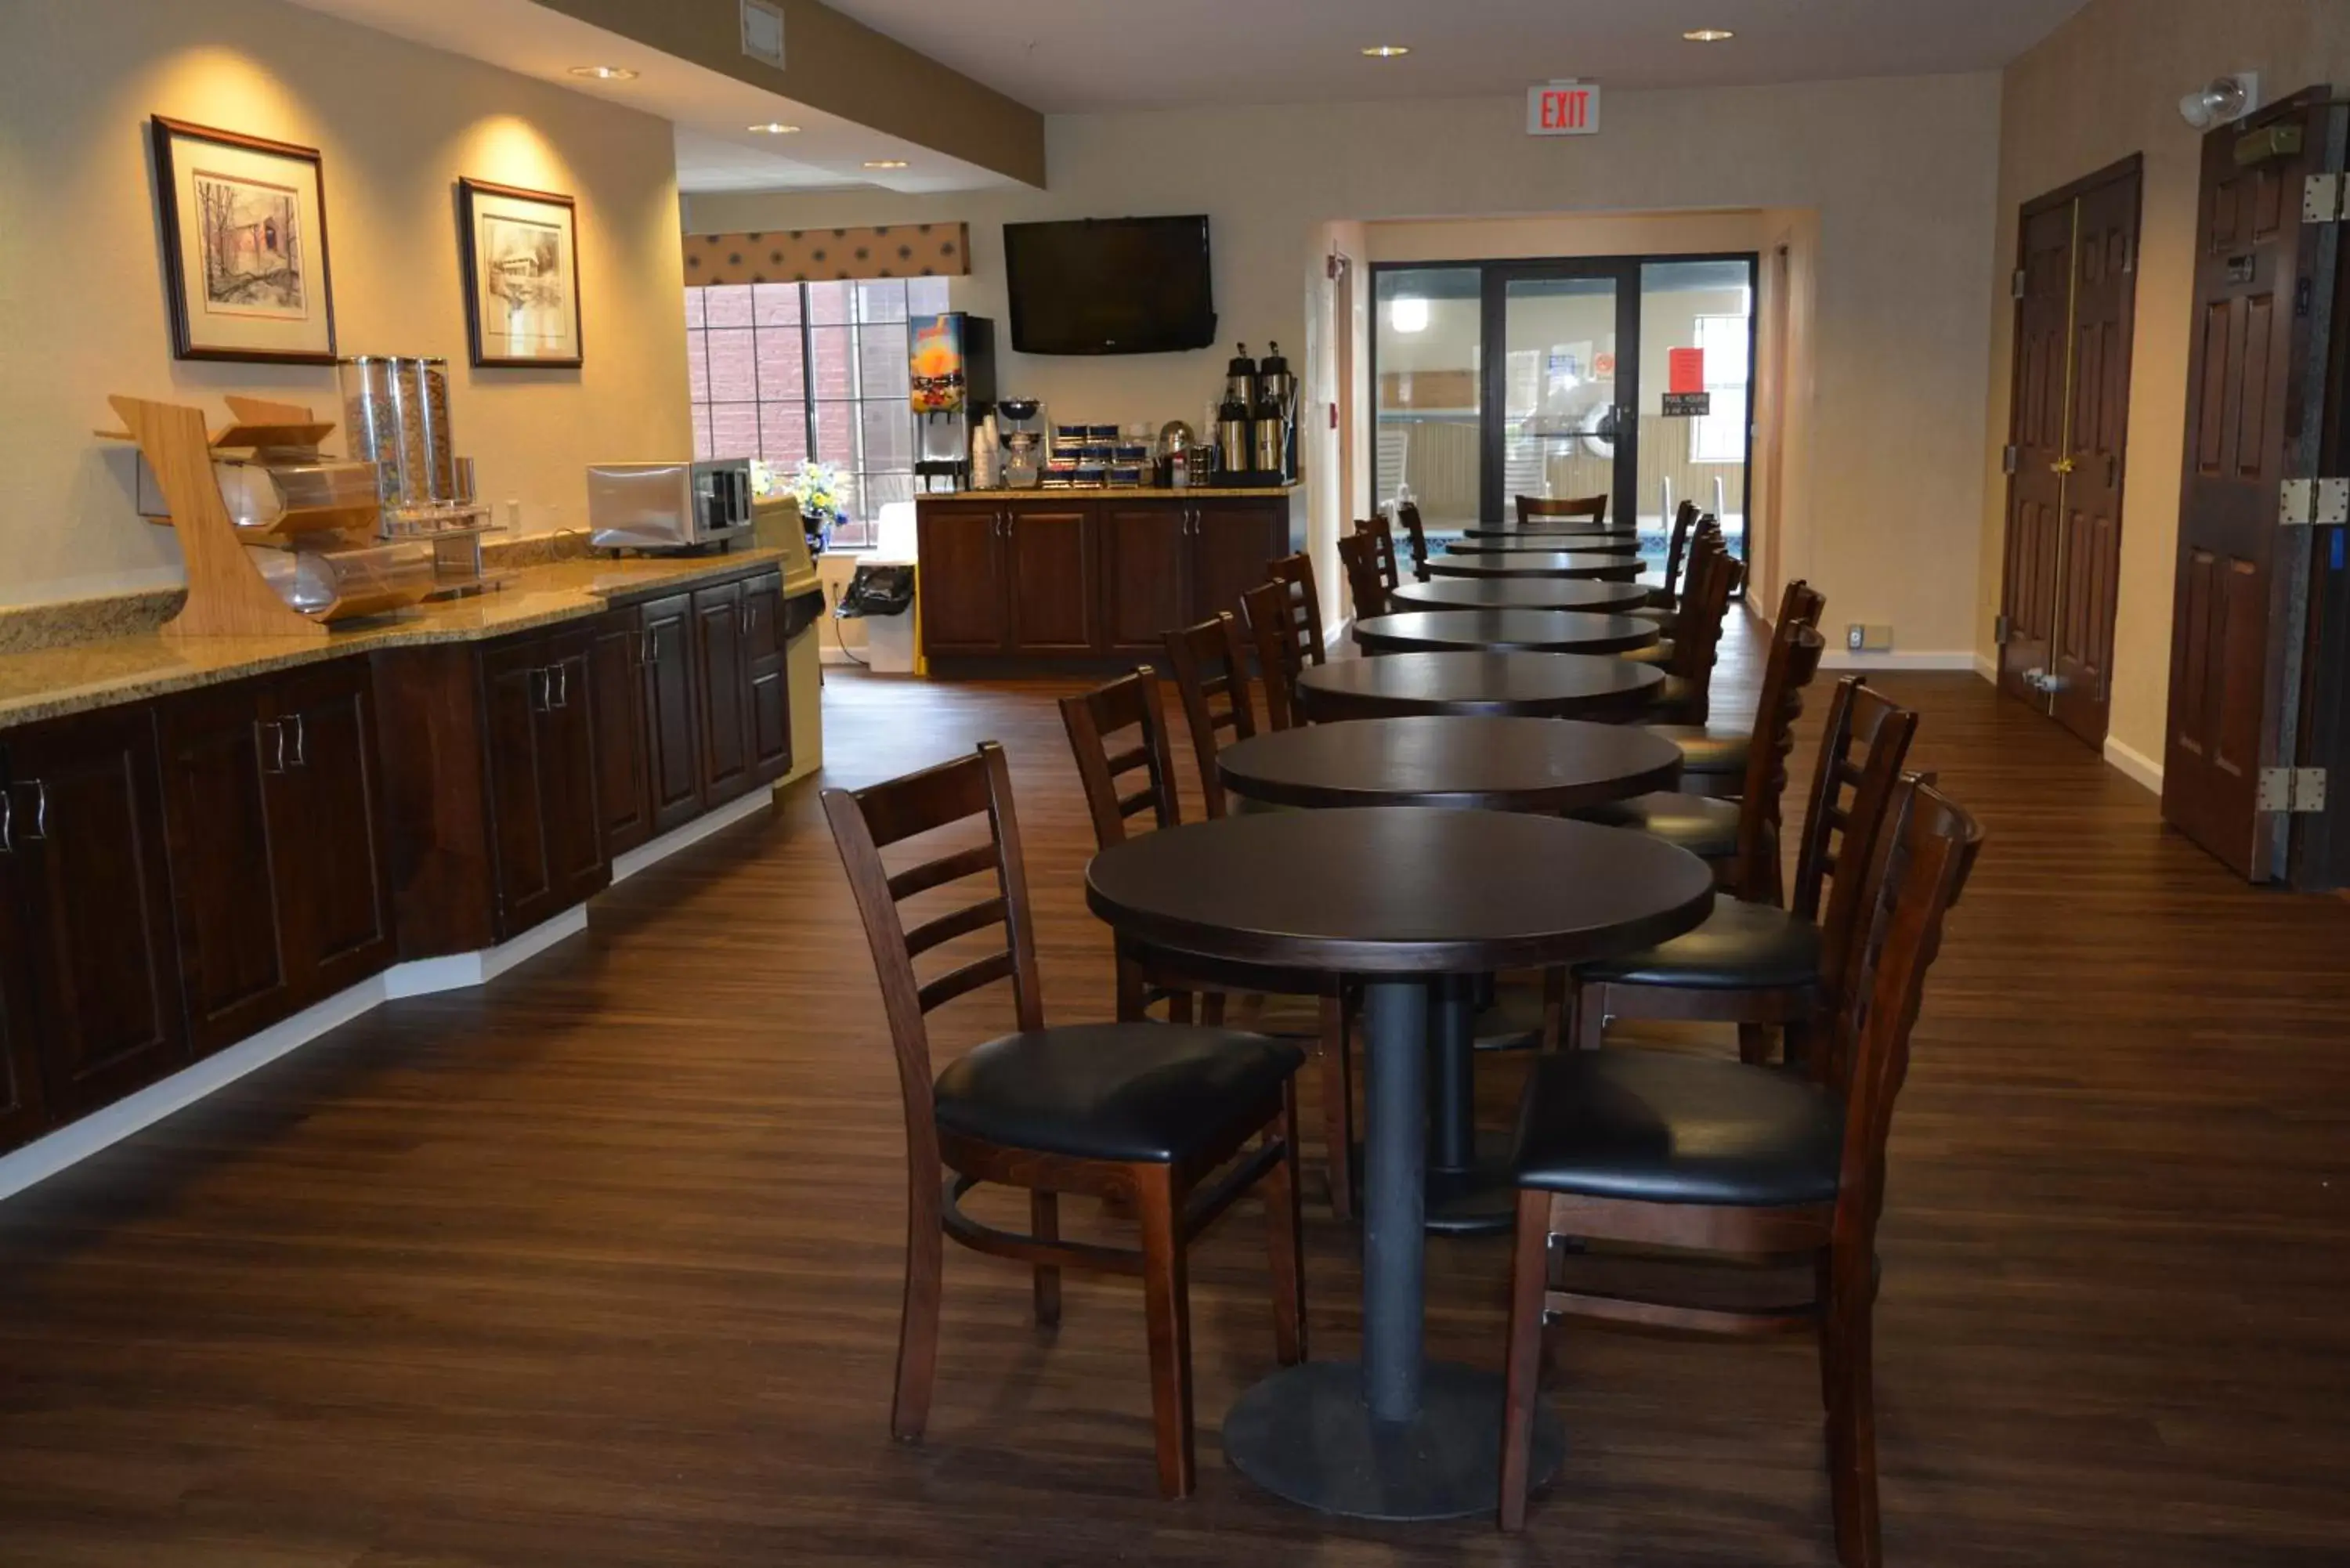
x,y
2015,284
2011,458
2325,198
2300,791
2002,631
2314,503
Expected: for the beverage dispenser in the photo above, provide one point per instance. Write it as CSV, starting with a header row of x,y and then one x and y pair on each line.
x,y
953,388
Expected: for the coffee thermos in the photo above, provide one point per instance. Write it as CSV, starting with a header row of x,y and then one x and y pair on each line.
x,y
1234,451
1276,392
1240,378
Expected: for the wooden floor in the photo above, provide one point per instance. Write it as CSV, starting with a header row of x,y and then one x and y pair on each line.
x,y
600,1265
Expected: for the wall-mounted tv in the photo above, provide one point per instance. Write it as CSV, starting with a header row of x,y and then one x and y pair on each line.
x,y
1109,285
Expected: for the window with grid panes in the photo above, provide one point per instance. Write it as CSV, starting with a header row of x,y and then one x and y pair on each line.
x,y
789,371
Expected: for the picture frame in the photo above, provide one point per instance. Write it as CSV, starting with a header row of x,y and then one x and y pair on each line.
x,y
246,269
521,277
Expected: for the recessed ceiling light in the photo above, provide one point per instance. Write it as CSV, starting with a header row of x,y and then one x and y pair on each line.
x,y
777,127
1708,35
1388,51
605,72
884,163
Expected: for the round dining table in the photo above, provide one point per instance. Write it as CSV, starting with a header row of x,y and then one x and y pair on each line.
x,y
1398,899
1532,545
1503,632
1520,685
1519,593
1570,527
1558,564
1552,765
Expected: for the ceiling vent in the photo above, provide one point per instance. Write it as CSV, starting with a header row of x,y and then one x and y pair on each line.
x,y
763,32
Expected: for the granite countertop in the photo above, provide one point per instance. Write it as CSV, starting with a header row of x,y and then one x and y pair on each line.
x,y
50,682
1114,491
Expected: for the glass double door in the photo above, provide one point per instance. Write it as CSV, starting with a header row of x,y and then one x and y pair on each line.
x,y
1562,384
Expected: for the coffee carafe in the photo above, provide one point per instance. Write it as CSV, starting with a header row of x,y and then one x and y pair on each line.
x,y
1276,414
1233,451
1241,377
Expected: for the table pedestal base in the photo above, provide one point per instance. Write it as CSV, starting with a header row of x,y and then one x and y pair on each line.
x,y
1304,1434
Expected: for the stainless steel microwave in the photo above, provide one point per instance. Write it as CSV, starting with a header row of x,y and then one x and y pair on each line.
x,y
668,505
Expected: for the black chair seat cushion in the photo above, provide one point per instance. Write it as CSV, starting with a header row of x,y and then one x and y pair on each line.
x,y
1656,1127
1740,947
1138,1091
1661,613
1658,652
1706,749
1706,828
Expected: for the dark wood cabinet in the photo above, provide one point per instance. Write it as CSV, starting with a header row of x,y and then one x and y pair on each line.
x,y
768,693
23,1111
672,723
618,676
1232,539
92,906
721,648
327,826
546,833
1055,603
962,584
1146,572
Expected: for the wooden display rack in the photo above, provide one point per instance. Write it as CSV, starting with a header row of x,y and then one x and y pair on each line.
x,y
226,594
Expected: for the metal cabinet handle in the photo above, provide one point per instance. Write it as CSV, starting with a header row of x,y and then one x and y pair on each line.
x,y
40,813
274,762
7,822
563,686
648,650
301,743
542,688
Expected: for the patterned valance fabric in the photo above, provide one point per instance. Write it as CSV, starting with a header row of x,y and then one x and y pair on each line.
x,y
817,255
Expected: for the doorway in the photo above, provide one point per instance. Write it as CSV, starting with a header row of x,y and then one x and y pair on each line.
x,y
1625,376
2068,425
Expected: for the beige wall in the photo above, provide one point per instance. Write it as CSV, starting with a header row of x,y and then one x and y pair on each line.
x,y
2104,86
1894,177
81,296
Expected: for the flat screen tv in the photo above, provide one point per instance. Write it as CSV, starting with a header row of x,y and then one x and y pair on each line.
x,y
1109,285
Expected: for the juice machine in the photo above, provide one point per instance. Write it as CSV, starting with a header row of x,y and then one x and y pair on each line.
x,y
954,376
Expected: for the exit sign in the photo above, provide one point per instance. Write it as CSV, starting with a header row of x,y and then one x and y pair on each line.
x,y
1563,108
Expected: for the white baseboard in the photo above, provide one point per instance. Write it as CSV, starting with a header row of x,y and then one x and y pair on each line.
x,y
1987,666
2134,764
1844,659
71,1144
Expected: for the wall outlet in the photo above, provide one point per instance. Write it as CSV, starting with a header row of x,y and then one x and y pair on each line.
x,y
511,515
1861,639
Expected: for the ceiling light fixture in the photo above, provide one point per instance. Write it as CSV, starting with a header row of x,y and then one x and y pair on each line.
x,y
1388,51
1708,35
884,163
777,127
605,72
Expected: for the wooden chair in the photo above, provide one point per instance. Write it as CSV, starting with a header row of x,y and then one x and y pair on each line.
x,y
1281,651
1686,695
1296,574
1593,507
1380,529
1359,554
1663,599
1145,979
1191,652
1754,962
1713,757
1718,1158
1416,536
1143,1114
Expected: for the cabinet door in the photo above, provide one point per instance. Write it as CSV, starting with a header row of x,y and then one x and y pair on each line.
x,y
221,756
719,638
618,676
673,722
516,689
571,817
1232,541
23,1113
1054,603
327,827
1146,576
769,712
964,604
89,826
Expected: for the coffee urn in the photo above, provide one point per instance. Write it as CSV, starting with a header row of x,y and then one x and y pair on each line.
x,y
1240,378
1275,416
1235,454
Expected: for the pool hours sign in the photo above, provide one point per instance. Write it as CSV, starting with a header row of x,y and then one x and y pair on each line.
x,y
1563,108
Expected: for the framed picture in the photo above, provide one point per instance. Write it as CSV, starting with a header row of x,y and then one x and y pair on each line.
x,y
521,275
244,247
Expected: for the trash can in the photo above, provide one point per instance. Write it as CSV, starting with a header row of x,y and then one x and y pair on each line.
x,y
883,597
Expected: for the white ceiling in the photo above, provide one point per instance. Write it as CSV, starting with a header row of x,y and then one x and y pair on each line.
x,y
1066,55
711,112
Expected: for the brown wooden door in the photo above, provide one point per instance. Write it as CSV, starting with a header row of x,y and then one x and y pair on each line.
x,y
768,709
327,824
719,644
2068,424
2230,623
1232,543
515,687
24,1113
569,810
673,712
87,805
2088,587
618,676
963,591
1050,560
222,755
1146,572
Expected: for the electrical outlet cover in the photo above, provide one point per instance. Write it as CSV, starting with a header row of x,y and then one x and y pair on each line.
x,y
1856,637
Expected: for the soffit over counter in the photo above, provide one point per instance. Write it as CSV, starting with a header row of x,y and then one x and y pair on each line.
x,y
817,255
